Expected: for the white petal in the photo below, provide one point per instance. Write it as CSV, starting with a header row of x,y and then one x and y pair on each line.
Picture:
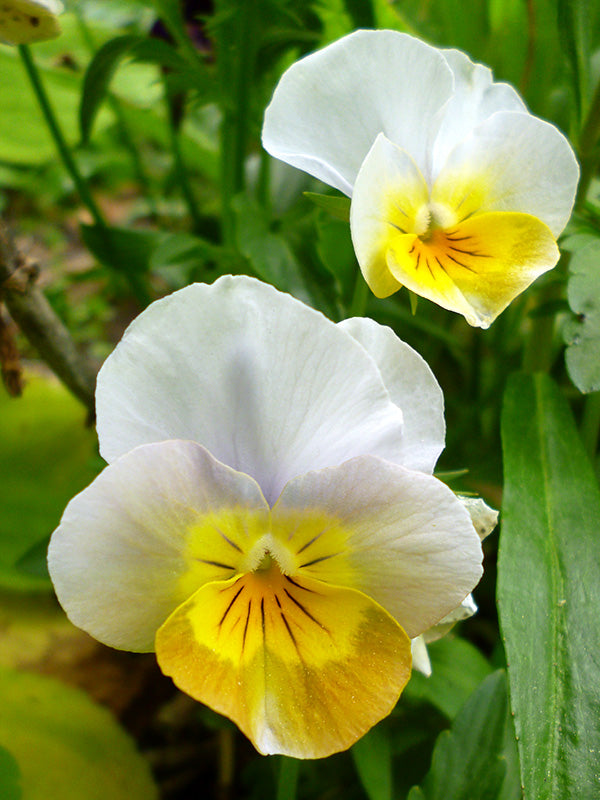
x,y
483,517
410,544
465,610
476,97
412,386
420,656
117,558
513,162
269,386
329,106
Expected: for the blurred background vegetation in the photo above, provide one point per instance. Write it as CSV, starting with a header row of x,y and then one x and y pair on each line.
x,y
161,106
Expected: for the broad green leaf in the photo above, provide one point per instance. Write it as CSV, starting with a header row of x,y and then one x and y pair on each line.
x,y
47,455
581,332
574,29
269,254
105,63
336,205
468,761
10,777
373,761
335,250
66,746
457,669
549,592
122,249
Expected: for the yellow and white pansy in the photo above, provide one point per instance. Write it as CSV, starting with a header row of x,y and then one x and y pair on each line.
x,y
458,192
26,21
268,521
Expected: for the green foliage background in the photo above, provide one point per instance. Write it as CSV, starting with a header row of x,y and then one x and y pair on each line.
x,y
161,107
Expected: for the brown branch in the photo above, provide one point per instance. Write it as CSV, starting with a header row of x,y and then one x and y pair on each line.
x,y
36,318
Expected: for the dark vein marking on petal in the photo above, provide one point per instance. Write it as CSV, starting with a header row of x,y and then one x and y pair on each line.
x,y
310,541
291,633
397,227
228,609
229,541
305,611
318,560
262,617
215,563
246,625
460,264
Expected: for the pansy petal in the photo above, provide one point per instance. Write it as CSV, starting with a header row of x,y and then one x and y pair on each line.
x,y
412,386
465,610
483,517
269,386
420,656
401,537
476,97
511,162
329,106
388,194
479,266
304,669
151,529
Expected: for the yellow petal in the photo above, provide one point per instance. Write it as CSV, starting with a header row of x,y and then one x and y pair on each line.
x,y
476,267
303,668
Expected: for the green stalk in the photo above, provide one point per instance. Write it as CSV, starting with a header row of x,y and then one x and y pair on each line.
x,y
288,778
125,135
180,169
64,151
358,306
236,58
590,134
57,135
590,424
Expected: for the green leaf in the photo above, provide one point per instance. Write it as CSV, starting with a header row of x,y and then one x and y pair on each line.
x,y
574,29
581,332
66,746
269,253
549,591
47,455
468,761
336,205
373,761
457,669
10,777
122,249
105,63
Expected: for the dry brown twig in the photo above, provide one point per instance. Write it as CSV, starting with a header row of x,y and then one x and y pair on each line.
x,y
38,321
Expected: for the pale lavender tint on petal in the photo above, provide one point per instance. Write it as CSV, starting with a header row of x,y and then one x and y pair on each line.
x,y
271,387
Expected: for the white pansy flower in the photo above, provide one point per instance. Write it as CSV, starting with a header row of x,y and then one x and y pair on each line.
x,y
268,521
26,21
458,193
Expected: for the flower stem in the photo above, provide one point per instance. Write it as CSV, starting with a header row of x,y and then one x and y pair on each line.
x,y
57,135
288,778
590,423
358,306
588,156
178,162
236,55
